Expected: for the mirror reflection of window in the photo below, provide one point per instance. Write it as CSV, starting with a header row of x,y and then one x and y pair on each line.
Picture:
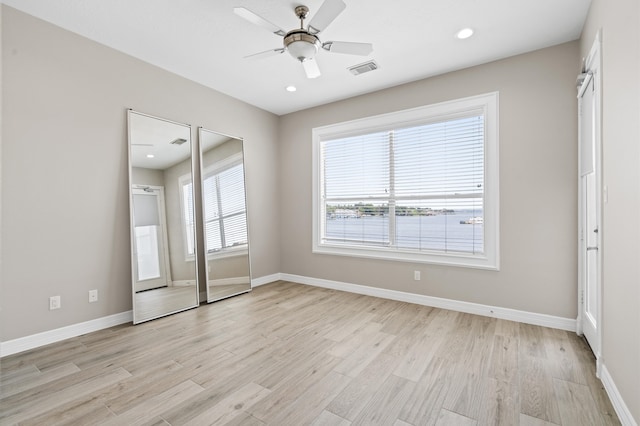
x,y
224,207
224,214
188,217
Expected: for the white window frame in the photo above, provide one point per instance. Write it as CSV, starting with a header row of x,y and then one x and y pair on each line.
x,y
488,105
182,182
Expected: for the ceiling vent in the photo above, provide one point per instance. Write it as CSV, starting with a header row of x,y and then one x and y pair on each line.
x,y
363,68
178,141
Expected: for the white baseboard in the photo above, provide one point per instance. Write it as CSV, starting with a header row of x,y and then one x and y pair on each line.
x,y
183,283
21,344
256,282
11,347
40,339
626,419
544,320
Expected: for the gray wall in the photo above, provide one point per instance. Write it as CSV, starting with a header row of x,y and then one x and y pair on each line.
x,y
65,207
619,21
538,197
144,176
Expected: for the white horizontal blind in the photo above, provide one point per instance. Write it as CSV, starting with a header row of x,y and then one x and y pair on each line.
x,y
224,209
357,182
410,188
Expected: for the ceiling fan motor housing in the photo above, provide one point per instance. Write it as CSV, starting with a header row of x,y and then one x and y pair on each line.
x,y
301,45
301,12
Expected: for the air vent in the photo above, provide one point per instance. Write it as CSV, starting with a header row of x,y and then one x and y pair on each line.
x,y
178,141
363,68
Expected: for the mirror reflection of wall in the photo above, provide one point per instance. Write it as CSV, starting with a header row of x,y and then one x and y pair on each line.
x,y
225,215
163,245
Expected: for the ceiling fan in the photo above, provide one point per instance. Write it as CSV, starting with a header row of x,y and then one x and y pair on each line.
x,y
303,44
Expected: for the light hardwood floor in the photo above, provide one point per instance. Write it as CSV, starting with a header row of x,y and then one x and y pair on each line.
x,y
288,354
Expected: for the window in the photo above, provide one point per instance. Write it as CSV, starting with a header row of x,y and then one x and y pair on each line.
x,y
416,185
225,213
188,217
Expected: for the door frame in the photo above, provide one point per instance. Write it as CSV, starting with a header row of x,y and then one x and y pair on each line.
x,y
592,66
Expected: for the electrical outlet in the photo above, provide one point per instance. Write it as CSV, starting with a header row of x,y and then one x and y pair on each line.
x,y
93,296
54,303
416,275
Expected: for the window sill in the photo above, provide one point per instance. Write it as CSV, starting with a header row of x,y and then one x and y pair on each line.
x,y
456,259
230,252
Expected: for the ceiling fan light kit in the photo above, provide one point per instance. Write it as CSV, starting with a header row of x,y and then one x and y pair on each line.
x,y
303,44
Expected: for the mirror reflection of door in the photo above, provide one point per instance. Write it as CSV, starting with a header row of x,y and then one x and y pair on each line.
x,y
151,268
163,260
225,215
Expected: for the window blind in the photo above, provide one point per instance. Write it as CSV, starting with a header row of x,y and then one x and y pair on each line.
x,y
419,187
225,209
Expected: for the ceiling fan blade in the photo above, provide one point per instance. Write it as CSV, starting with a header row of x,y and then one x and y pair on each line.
x,y
311,68
265,54
258,20
350,48
329,11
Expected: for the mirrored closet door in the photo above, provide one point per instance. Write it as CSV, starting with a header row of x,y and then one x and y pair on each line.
x,y
226,237
163,237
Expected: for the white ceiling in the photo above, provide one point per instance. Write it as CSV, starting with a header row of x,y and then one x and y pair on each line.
x,y
204,41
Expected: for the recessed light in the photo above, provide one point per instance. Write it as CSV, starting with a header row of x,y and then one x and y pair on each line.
x,y
150,155
291,88
464,33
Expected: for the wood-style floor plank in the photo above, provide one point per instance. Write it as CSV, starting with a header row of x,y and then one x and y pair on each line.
x,y
326,418
286,392
537,395
352,400
424,404
231,406
532,421
387,402
157,404
20,409
576,405
288,354
30,381
500,404
83,411
450,418
311,403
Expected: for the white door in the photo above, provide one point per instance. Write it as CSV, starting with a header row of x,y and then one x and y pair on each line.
x,y
150,268
590,247
590,230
